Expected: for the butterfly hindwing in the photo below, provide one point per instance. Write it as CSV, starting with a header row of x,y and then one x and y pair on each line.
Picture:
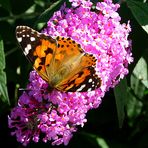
x,y
83,78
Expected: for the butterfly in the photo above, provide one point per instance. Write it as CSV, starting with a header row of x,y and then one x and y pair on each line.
x,y
59,61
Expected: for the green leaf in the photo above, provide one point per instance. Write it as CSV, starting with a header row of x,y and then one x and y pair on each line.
x,y
120,92
2,56
97,141
139,84
140,12
3,88
101,142
139,78
45,16
40,2
133,108
141,72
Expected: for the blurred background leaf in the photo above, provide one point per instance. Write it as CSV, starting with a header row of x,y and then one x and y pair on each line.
x,y
4,99
140,12
120,92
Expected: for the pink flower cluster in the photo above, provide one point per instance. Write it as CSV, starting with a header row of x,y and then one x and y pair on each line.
x,y
99,32
56,114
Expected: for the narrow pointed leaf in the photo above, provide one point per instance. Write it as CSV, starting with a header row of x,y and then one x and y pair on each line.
x,y
120,92
3,87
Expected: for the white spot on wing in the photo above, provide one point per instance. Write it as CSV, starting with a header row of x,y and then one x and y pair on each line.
x,y
19,39
93,85
32,39
89,89
90,80
82,86
27,49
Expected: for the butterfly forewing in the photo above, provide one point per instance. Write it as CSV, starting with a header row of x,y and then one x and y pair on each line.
x,y
37,47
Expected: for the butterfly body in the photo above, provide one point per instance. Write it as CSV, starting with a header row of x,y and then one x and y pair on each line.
x,y
60,61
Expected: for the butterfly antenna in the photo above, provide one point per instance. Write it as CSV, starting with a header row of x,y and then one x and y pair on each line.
x,y
28,89
24,89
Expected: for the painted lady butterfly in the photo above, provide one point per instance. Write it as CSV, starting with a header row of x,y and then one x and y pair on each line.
x,y
61,61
